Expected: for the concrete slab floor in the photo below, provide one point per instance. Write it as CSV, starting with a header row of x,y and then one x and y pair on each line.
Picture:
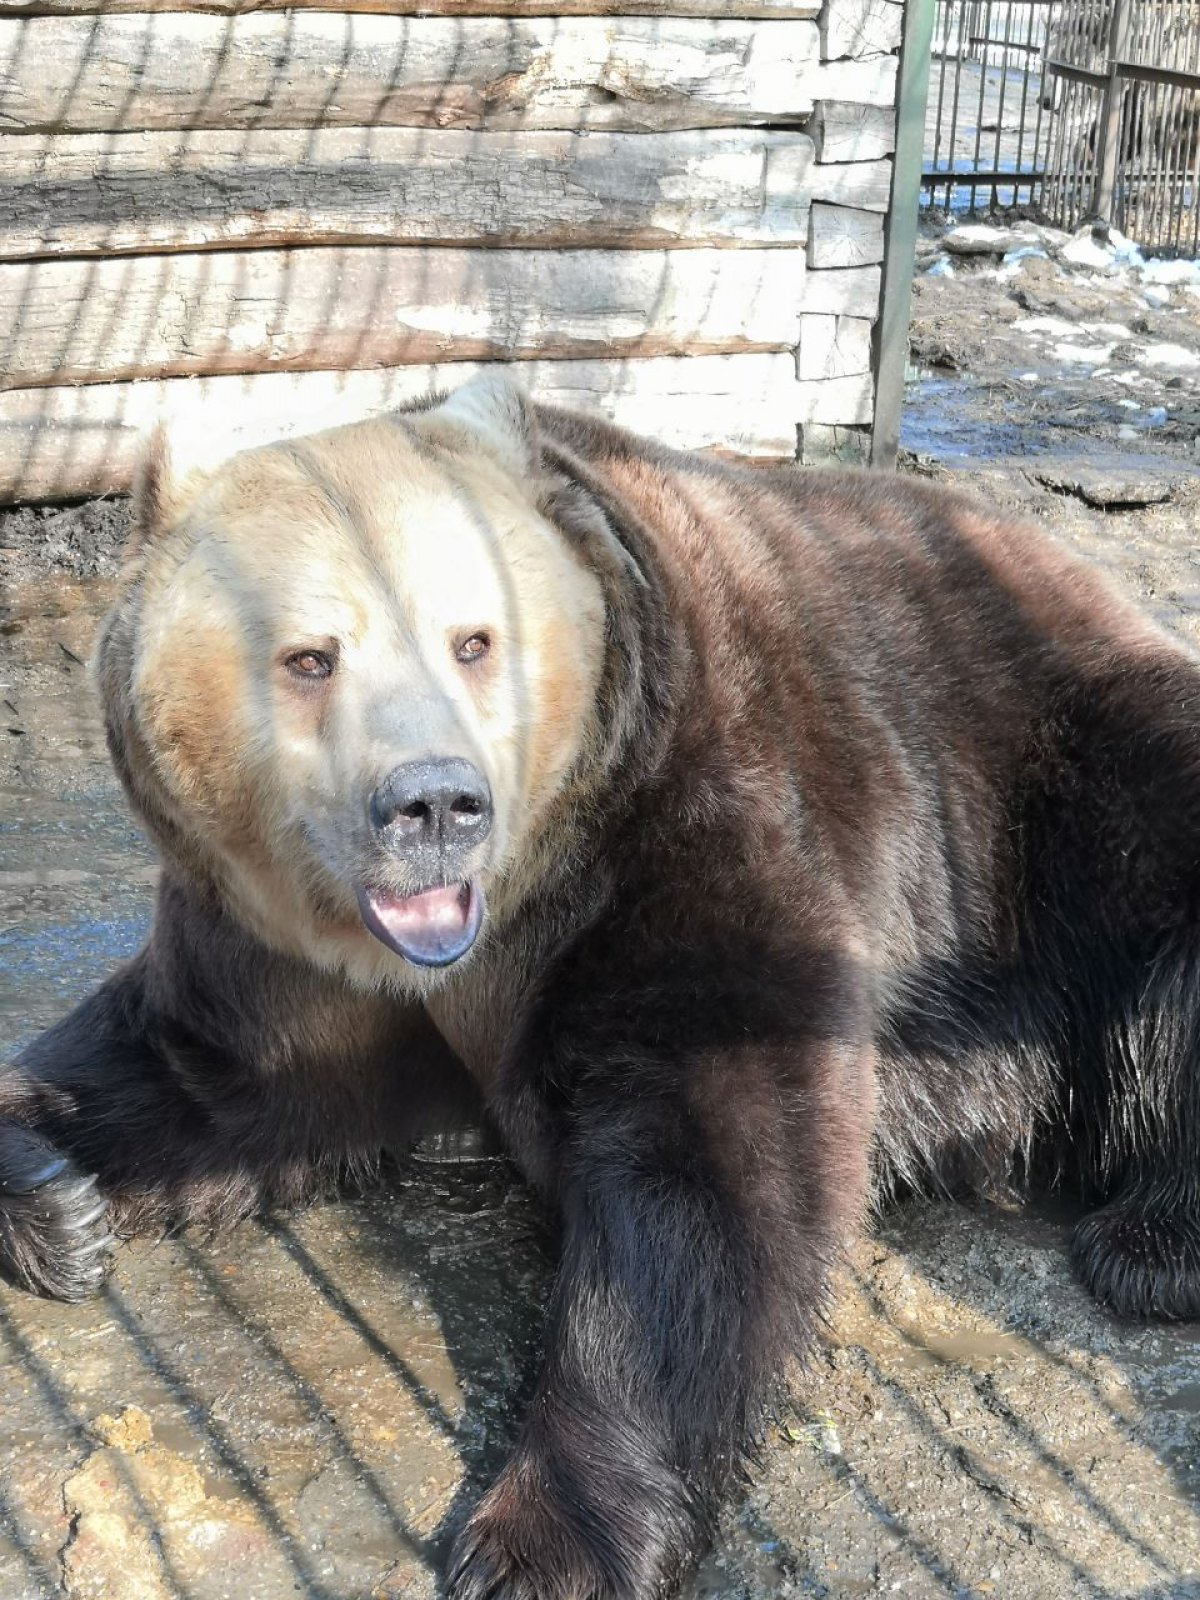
x,y
305,1406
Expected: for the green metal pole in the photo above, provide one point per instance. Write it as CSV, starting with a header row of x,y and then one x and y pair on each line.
x,y
900,244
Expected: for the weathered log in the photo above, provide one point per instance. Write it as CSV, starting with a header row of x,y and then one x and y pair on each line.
x,y
860,27
750,9
134,193
832,347
843,291
837,400
863,184
103,321
108,194
869,82
845,132
324,69
839,236
59,443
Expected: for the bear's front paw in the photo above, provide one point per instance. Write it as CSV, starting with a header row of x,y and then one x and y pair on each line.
x,y
532,1538
54,1238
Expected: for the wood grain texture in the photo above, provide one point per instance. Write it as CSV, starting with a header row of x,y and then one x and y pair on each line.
x,y
112,194
846,132
839,236
60,443
292,310
109,194
746,9
324,69
843,291
832,347
837,400
860,27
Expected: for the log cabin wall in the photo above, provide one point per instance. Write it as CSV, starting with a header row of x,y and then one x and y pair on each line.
x,y
672,210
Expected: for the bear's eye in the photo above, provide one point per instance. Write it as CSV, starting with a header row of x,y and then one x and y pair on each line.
x,y
309,663
473,649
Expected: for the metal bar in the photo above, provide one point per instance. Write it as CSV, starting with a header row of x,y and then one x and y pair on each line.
x,y
1008,16
931,180
1021,115
1038,153
962,26
937,144
1016,48
1074,74
983,67
1169,77
1109,149
900,244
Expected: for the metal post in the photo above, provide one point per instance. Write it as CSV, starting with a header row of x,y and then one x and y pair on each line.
x,y
900,247
1109,149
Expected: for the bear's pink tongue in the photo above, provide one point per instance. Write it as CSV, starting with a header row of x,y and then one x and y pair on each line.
x,y
430,929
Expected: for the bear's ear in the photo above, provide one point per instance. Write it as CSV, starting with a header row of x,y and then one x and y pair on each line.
x,y
179,457
174,465
497,413
159,490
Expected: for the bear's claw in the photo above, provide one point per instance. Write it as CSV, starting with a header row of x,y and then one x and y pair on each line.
x,y
54,1238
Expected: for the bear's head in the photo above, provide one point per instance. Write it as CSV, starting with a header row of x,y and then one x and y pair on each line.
x,y
350,677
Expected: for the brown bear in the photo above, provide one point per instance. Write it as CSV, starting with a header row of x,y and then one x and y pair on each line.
x,y
748,842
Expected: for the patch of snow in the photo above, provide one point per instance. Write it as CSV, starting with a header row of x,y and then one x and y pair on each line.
x,y
1027,377
1084,251
1156,297
1082,355
1050,325
1126,433
1125,252
1130,405
943,267
1168,272
1025,252
1168,355
1110,330
1051,238
978,239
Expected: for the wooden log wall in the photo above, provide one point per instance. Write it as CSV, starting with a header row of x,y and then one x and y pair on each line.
x,y
653,207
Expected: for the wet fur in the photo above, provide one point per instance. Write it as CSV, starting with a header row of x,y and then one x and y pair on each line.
x,y
878,867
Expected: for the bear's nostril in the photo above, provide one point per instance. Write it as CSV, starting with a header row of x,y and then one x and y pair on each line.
x,y
435,809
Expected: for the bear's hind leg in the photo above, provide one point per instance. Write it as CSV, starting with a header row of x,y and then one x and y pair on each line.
x,y
1111,844
1140,1252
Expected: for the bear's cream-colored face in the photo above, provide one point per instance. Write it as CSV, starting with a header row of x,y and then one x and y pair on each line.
x,y
364,664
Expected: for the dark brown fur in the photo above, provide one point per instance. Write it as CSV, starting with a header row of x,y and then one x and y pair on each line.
x,y
883,869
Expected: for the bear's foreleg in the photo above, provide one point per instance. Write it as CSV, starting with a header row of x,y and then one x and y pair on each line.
x,y
704,1198
123,1118
85,1111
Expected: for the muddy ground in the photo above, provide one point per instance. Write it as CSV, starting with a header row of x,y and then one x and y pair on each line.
x,y
306,1406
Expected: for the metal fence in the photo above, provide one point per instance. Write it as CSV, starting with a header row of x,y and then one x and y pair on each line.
x,y
1126,119
987,125
1082,108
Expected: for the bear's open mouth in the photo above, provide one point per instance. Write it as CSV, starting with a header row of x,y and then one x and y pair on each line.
x,y
430,929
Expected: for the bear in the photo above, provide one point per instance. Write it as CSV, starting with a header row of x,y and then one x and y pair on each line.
x,y
744,844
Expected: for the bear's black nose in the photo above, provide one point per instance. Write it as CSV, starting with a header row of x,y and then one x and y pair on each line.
x,y
431,812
